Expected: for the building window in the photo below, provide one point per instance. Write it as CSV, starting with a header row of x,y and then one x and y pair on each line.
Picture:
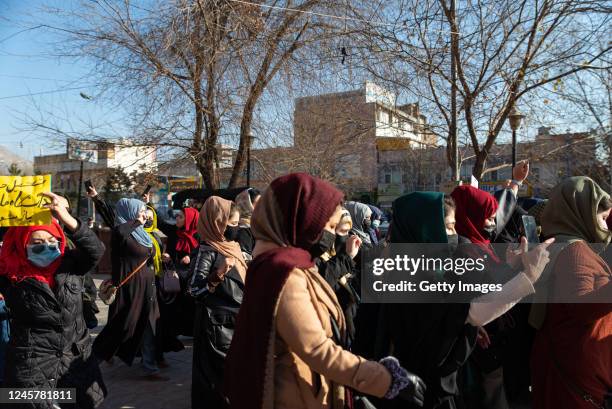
x,y
387,178
382,116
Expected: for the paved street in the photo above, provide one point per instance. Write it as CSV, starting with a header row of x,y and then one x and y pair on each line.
x,y
126,388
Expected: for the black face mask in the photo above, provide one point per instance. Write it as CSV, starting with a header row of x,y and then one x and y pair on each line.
x,y
325,244
489,232
231,233
453,243
148,224
367,223
340,244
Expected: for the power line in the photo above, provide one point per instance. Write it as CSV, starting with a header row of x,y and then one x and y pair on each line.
x,y
41,93
33,78
19,32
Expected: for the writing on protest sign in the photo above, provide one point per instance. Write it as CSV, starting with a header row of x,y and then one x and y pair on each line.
x,y
21,202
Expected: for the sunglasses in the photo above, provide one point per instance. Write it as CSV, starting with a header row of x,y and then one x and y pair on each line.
x,y
39,248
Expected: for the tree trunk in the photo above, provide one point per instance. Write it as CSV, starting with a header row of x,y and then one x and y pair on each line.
x,y
479,165
246,139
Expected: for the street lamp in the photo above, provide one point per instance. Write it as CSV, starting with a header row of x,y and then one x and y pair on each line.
x,y
515,118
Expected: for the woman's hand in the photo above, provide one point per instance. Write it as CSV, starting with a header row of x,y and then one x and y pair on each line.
x,y
166,258
186,260
92,192
215,279
226,266
352,246
59,206
535,261
514,256
521,171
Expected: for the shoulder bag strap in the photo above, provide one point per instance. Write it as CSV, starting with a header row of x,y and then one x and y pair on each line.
x,y
136,270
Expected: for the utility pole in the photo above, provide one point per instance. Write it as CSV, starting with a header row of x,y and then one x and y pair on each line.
x,y
453,125
78,213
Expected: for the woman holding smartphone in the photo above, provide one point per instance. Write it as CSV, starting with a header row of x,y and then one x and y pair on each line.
x,y
217,284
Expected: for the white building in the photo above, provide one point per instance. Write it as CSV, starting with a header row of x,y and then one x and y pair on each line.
x,y
110,156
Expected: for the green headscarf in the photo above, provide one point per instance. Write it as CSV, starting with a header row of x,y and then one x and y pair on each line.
x,y
419,218
572,211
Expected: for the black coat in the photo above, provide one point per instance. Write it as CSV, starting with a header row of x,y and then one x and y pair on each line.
x,y
216,314
246,240
332,271
50,346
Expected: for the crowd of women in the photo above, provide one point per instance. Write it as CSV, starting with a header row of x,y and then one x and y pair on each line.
x,y
268,286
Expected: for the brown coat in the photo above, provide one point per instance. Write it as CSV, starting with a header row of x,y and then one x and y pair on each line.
x,y
309,366
578,336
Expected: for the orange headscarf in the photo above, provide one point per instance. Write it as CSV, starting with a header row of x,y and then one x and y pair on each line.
x,y
14,261
214,216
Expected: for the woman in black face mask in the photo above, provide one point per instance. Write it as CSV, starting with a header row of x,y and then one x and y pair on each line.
x,y
335,254
232,231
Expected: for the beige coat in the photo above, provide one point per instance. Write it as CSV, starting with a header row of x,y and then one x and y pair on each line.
x,y
309,367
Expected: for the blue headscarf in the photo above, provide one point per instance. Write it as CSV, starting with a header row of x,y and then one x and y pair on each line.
x,y
127,210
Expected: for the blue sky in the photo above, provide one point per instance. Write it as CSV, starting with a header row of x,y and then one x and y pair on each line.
x,y
35,83
32,80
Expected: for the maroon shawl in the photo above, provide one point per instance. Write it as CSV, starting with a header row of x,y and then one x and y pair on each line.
x,y
291,213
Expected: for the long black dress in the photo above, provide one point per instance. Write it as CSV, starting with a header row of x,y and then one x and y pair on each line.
x,y
136,301
181,311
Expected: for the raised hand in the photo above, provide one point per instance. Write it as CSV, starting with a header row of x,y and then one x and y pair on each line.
x,y
535,261
59,206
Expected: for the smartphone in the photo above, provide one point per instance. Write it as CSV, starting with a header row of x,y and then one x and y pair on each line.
x,y
530,229
147,190
88,185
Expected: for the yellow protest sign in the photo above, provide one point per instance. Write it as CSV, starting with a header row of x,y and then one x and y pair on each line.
x,y
21,202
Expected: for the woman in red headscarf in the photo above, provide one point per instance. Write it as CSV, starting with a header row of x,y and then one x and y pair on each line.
x,y
475,223
178,313
42,282
287,349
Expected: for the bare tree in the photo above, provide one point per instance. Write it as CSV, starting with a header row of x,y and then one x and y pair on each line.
x,y
189,73
506,52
